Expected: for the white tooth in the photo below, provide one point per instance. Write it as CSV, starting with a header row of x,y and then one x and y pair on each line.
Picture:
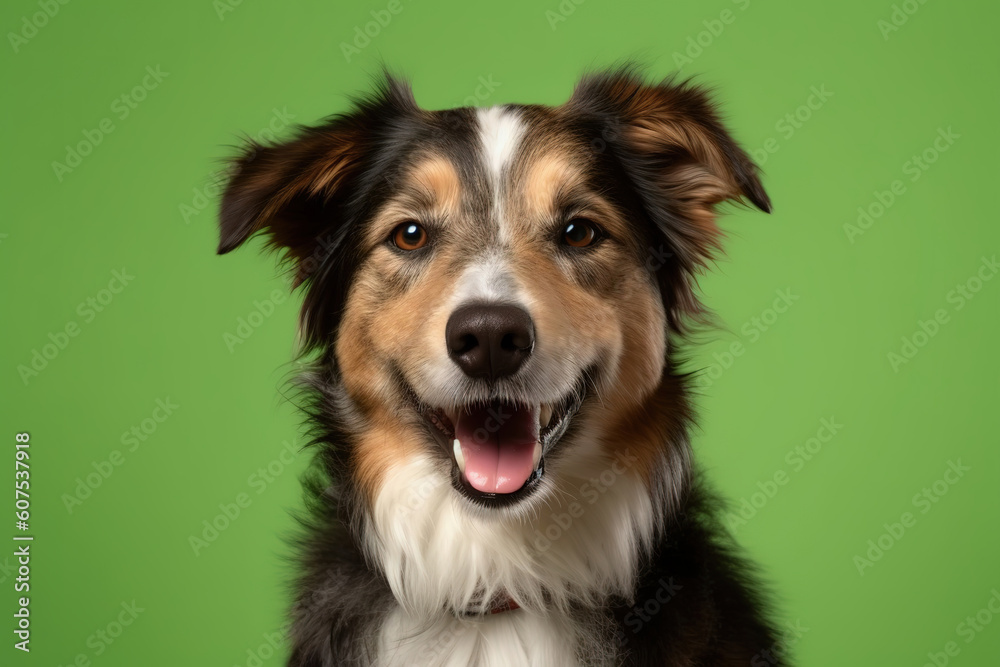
x,y
545,415
537,456
459,458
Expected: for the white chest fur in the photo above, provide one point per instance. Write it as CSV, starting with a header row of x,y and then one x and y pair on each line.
x,y
508,639
578,544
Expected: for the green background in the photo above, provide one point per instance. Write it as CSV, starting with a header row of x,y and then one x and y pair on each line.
x,y
163,336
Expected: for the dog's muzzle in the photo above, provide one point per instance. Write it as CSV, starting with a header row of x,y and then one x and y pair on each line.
x,y
496,445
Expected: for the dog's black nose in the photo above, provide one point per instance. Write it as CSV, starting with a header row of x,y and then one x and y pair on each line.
x,y
489,341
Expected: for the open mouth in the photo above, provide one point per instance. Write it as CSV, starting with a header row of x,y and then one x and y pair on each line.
x,y
498,448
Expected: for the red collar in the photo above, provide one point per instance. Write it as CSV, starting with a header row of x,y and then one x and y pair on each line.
x,y
506,603
501,603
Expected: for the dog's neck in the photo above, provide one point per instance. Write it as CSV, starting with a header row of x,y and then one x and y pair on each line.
x,y
499,604
580,545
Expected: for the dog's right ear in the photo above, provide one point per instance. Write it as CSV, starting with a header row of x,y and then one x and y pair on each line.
x,y
283,189
297,191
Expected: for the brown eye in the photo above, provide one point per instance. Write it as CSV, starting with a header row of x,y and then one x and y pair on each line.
x,y
580,233
409,236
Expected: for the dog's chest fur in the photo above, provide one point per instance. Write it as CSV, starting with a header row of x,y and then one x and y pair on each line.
x,y
582,545
499,640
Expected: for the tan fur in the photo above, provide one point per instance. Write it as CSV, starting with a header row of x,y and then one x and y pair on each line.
x,y
439,180
378,334
549,175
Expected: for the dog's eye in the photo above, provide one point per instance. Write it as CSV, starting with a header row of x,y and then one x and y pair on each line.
x,y
580,233
409,236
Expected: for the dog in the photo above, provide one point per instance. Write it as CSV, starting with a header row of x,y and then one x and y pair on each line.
x,y
495,304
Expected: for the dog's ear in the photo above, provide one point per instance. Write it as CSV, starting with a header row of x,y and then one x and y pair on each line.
x,y
307,195
669,141
274,188
292,191
298,191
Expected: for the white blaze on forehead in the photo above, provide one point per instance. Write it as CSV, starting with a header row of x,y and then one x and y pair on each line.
x,y
500,131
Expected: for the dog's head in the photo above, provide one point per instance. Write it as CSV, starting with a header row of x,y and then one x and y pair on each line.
x,y
493,288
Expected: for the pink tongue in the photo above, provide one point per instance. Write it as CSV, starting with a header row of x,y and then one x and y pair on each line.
x,y
498,444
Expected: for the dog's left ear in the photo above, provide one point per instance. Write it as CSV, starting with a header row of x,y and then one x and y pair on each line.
x,y
669,141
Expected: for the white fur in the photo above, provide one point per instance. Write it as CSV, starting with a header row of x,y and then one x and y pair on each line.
x,y
486,279
441,554
500,132
501,640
